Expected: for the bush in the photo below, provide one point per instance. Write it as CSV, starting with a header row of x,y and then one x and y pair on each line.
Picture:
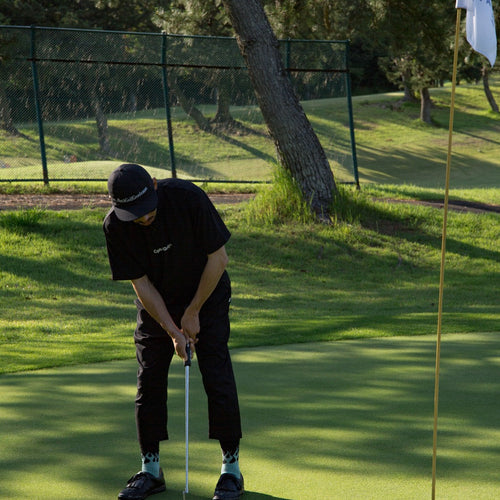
x,y
279,203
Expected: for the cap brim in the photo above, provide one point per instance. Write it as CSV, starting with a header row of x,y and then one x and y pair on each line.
x,y
134,211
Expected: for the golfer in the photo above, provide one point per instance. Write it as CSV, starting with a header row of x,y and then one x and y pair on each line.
x,y
167,238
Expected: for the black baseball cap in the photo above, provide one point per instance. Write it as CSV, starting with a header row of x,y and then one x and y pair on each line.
x,y
132,192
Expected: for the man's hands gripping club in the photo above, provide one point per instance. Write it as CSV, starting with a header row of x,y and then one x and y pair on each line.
x,y
190,321
153,303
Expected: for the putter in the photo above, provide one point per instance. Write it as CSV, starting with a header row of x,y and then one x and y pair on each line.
x,y
187,364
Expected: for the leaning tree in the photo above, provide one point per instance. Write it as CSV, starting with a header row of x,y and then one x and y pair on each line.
x,y
299,150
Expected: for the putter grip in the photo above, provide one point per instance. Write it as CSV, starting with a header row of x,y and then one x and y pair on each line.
x,y
188,352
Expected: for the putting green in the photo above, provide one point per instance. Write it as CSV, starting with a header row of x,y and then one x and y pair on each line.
x,y
340,420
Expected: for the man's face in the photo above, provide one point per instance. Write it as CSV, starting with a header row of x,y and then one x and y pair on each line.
x,y
146,220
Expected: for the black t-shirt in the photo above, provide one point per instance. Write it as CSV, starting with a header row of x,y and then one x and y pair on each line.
x,y
173,250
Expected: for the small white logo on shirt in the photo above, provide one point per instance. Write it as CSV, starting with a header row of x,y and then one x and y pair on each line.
x,y
162,249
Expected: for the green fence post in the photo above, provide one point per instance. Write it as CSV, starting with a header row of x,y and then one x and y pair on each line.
x,y
167,103
351,119
287,53
38,108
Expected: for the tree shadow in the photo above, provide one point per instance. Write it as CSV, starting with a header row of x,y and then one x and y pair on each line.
x,y
354,408
251,495
254,151
136,147
351,290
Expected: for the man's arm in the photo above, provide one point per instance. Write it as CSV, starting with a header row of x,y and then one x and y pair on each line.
x,y
215,266
153,303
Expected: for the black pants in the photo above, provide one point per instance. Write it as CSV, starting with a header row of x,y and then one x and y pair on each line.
x,y
154,354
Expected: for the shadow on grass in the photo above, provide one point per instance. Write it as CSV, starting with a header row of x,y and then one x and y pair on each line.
x,y
248,495
140,149
316,418
296,285
260,496
383,280
424,169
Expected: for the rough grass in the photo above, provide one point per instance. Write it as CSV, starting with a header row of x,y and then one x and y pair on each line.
x,y
373,273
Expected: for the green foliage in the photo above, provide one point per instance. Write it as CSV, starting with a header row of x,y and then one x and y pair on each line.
x,y
197,17
279,203
412,38
130,15
348,205
22,221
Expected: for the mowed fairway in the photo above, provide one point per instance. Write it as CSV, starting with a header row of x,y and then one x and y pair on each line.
x,y
334,420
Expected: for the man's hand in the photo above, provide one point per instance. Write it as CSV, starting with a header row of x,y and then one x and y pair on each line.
x,y
154,304
190,324
180,341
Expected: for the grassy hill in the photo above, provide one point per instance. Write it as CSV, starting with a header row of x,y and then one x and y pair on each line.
x,y
393,146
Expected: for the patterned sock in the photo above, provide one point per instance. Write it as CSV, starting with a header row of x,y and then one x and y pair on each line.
x,y
230,462
151,463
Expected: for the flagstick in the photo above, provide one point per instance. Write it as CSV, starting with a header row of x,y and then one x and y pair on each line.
x,y
443,254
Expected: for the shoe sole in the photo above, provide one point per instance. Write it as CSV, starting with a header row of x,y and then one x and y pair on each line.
x,y
152,492
158,490
237,497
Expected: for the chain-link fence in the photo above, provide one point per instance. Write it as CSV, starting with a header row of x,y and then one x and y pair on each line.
x,y
74,104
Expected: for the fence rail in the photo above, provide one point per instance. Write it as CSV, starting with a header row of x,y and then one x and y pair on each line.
x,y
75,103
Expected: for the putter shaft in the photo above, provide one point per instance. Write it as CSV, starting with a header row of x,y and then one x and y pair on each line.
x,y
187,364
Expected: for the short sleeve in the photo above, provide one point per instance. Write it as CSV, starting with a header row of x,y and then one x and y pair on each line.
x,y
124,260
210,228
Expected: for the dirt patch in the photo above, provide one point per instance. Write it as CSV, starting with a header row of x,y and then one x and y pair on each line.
x,y
457,206
77,201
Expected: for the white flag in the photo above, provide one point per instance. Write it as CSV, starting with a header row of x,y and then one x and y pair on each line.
x,y
480,25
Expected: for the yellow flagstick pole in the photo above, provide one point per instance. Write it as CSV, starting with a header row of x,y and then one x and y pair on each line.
x,y
443,255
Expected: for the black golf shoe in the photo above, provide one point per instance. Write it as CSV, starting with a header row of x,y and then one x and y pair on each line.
x,y
142,485
229,487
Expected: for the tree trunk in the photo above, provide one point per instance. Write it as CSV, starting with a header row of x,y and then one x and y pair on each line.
x,y
188,105
223,106
223,114
102,125
299,150
486,85
6,122
409,95
425,105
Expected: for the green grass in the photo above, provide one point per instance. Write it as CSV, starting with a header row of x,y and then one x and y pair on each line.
x,y
141,138
330,421
376,274
373,273
419,155
54,267
393,146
